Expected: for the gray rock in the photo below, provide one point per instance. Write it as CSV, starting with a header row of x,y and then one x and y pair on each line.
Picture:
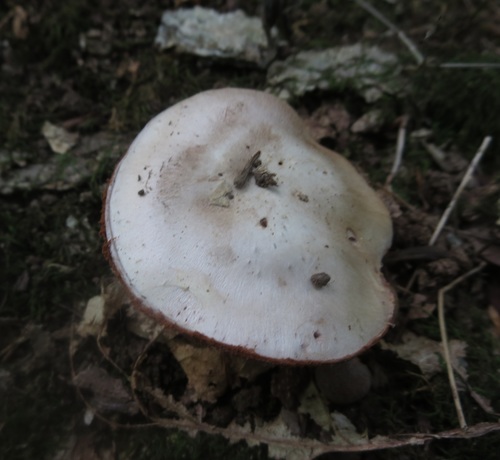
x,y
366,69
206,32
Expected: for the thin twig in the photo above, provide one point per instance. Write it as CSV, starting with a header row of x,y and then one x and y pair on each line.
x,y
134,375
241,180
444,341
467,176
400,147
401,35
105,354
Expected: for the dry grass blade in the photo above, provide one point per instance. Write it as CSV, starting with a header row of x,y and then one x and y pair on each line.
x,y
444,340
467,176
400,146
401,35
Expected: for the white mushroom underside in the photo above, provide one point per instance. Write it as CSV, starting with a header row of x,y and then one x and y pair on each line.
x,y
240,274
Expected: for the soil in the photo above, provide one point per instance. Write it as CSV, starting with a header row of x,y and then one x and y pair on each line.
x,y
118,391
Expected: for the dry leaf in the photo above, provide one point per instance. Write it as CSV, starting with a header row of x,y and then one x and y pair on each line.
x,y
144,326
420,307
101,307
60,140
205,368
313,405
109,394
284,444
328,121
345,430
293,450
425,353
94,317
369,122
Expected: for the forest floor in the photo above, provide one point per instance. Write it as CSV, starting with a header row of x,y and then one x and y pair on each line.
x,y
87,76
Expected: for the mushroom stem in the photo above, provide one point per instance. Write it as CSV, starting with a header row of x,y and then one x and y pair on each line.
x,y
343,383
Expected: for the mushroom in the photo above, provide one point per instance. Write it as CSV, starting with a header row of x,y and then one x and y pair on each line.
x,y
226,220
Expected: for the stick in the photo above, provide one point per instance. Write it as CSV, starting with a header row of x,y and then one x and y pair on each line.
x,y
401,35
400,146
444,341
468,174
243,176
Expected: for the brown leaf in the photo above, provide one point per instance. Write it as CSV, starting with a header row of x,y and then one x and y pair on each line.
x,y
108,393
329,120
420,307
425,353
205,368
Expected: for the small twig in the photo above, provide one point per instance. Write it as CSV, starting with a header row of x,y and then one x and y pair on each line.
x,y
242,178
105,354
467,176
400,34
133,376
400,147
444,341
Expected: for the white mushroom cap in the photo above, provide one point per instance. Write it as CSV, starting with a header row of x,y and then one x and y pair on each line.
x,y
236,265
